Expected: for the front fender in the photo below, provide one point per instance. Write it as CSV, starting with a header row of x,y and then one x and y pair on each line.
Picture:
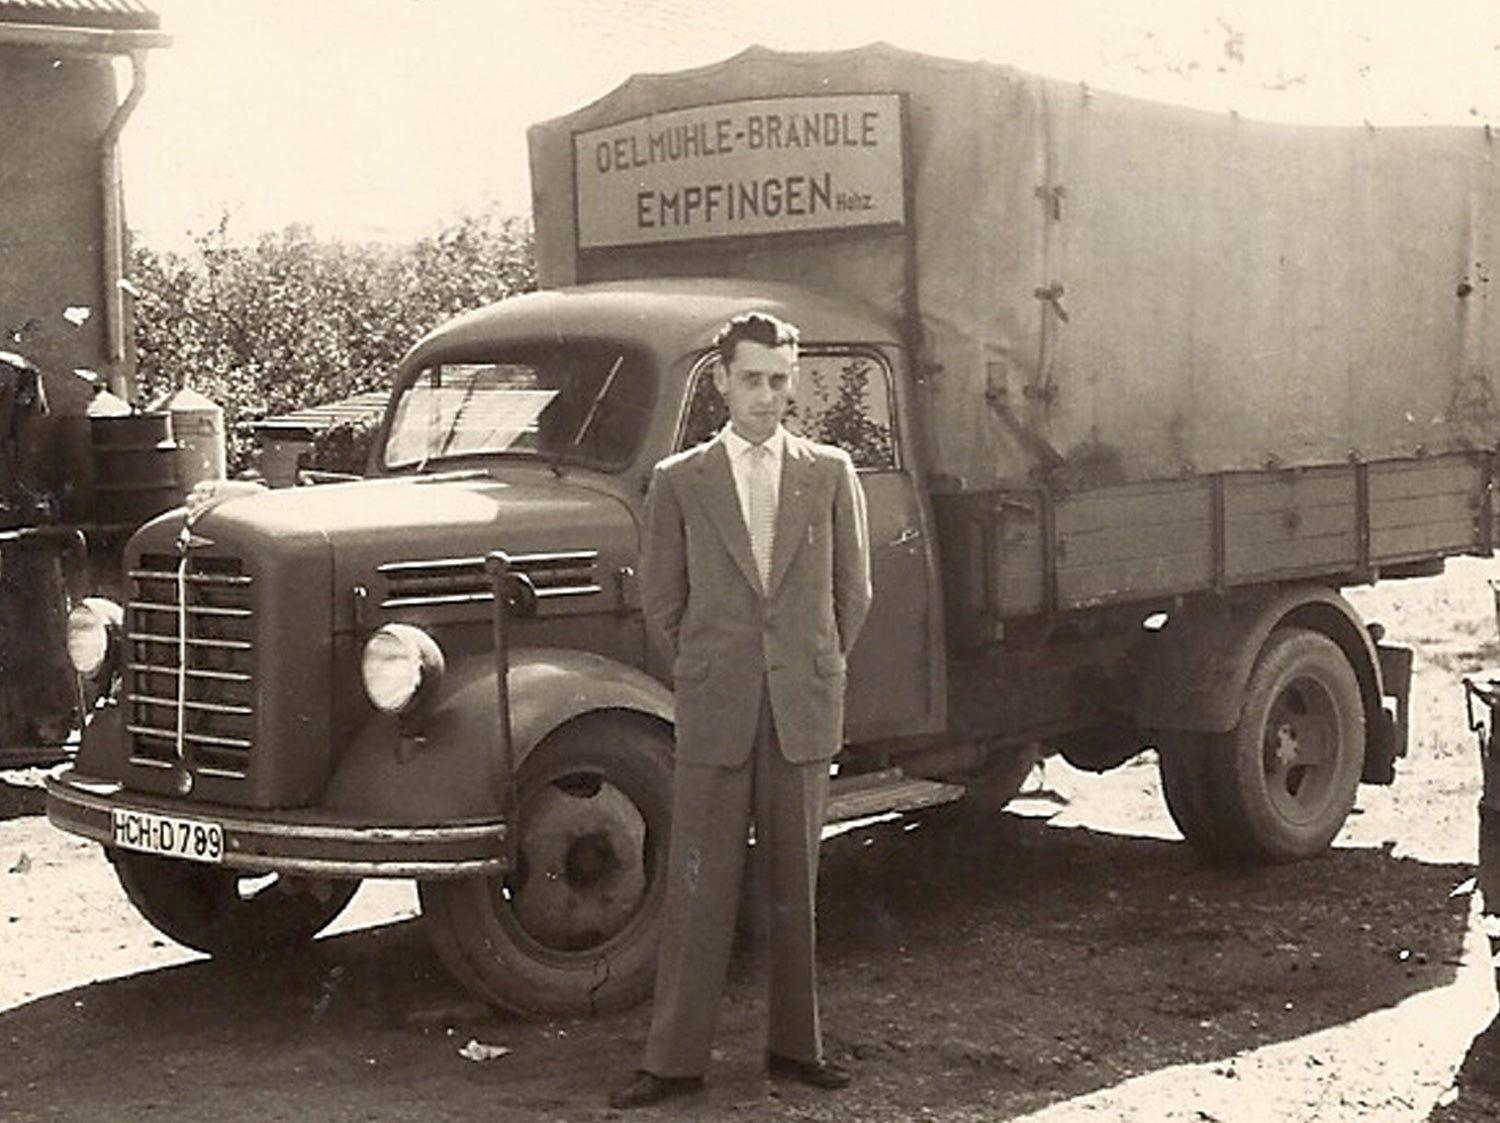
x,y
438,768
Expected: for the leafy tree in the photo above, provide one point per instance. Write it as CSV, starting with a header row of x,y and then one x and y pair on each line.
x,y
290,320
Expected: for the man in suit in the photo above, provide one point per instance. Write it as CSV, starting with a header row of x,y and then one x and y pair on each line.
x,y
755,574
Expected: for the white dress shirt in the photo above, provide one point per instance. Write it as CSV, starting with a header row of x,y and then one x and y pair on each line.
x,y
739,463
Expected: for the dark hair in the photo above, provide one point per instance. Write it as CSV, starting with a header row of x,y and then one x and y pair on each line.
x,y
757,327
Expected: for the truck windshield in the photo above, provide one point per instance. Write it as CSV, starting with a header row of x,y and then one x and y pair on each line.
x,y
578,403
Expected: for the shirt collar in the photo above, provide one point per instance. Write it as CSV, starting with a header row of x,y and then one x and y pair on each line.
x,y
737,446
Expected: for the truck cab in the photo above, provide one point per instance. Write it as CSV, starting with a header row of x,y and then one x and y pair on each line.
x,y
303,682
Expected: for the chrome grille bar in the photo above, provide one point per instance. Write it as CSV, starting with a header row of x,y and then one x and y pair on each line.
x,y
190,738
427,566
221,644
484,598
183,620
196,578
193,609
202,707
218,676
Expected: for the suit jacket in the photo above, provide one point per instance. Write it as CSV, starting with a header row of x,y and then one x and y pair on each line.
x,y
703,595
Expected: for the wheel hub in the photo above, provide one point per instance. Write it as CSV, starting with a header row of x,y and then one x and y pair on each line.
x,y
1300,732
1283,748
583,874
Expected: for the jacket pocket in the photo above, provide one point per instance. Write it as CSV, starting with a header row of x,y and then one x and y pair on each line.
x,y
828,664
690,668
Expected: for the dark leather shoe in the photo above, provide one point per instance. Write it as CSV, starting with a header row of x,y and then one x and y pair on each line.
x,y
815,1074
647,1088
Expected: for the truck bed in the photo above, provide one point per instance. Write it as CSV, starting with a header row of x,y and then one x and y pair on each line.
x,y
1016,553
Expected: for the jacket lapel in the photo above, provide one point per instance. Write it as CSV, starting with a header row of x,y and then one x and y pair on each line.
x,y
793,509
722,502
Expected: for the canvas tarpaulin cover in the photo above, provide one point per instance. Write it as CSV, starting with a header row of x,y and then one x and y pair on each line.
x,y
1102,289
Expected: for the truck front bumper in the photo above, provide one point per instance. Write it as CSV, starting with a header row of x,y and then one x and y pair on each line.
x,y
305,841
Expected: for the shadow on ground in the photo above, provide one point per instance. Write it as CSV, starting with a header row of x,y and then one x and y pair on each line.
x,y
969,969
1475,1096
18,800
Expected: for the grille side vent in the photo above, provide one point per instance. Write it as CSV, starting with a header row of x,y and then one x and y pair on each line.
x,y
190,675
441,581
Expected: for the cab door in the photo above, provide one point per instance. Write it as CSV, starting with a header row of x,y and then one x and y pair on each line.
x,y
897,683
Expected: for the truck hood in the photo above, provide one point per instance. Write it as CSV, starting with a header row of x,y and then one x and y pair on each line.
x,y
422,506
361,526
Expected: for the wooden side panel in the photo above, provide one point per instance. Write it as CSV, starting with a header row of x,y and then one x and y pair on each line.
x,y
1133,542
1018,578
992,558
1290,524
1424,508
1008,554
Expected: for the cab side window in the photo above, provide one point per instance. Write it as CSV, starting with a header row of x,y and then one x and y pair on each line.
x,y
843,398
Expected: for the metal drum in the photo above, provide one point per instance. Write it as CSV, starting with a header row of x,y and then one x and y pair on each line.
x,y
135,467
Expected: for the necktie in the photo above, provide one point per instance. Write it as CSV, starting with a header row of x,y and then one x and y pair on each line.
x,y
761,516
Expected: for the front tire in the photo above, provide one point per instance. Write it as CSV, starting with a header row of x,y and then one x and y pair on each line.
x,y
228,913
574,928
1279,786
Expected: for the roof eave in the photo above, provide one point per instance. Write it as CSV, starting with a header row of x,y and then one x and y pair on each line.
x,y
81,40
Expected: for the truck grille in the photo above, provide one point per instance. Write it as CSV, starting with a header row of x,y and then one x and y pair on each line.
x,y
438,581
191,680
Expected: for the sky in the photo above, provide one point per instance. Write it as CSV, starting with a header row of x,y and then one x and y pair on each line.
x,y
388,119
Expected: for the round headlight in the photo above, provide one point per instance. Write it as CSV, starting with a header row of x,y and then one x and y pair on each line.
x,y
89,626
398,661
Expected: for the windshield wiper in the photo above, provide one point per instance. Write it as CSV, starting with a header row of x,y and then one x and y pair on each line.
x,y
609,381
556,461
463,404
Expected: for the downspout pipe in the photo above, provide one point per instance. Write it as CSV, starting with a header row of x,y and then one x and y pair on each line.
x,y
115,320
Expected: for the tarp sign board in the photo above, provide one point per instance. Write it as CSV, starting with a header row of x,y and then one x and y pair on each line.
x,y
731,169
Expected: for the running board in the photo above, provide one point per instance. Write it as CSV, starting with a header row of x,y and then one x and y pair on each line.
x,y
877,793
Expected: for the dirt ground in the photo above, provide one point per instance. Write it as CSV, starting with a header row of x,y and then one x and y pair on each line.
x,y
1068,960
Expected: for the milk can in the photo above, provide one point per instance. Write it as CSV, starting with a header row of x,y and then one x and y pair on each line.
x,y
198,430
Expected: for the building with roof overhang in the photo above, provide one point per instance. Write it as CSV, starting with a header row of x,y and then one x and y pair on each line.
x,y
62,219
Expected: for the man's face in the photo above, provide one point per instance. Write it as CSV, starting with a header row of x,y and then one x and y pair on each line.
x,y
758,384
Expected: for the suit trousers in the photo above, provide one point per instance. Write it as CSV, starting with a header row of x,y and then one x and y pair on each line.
x,y
712,809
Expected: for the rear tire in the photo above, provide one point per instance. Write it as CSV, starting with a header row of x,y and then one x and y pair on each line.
x,y
989,789
574,928
228,913
1180,760
1279,786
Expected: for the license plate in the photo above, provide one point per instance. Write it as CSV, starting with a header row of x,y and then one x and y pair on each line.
x,y
168,835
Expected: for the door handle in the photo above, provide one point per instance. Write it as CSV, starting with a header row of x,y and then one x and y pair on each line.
x,y
910,534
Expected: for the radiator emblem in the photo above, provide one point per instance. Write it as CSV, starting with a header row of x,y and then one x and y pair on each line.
x,y
187,540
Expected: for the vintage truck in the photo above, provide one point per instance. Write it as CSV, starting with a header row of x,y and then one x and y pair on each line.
x,y
1133,391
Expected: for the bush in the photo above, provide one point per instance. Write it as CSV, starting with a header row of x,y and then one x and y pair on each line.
x,y
344,447
289,320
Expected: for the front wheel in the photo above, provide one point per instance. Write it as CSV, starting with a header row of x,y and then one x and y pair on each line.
x,y
574,928
1279,786
225,912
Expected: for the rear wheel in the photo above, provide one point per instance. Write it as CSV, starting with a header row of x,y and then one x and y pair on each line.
x,y
1181,758
1279,786
574,928
228,912
990,788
